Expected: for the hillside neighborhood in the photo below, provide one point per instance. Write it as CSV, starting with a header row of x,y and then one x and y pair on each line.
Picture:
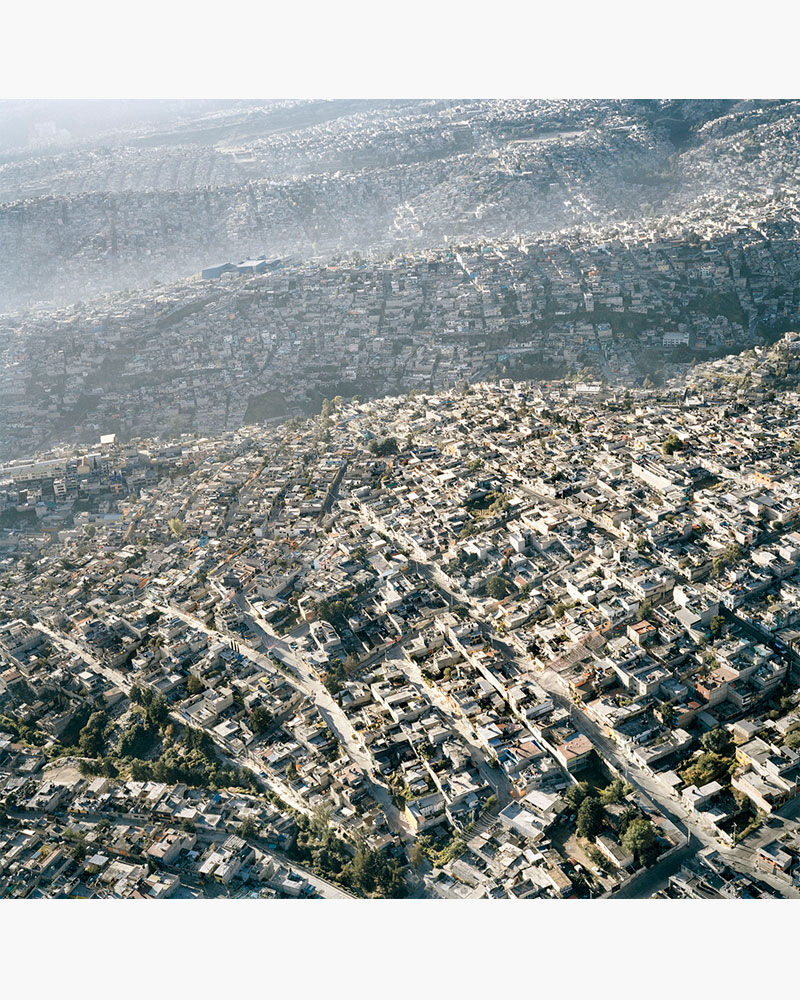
x,y
504,640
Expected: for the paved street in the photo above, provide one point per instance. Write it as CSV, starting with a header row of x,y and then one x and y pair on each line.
x,y
333,716
493,777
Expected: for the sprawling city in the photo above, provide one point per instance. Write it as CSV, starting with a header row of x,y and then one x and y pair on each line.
x,y
400,499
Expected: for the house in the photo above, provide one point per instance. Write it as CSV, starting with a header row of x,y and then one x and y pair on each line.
x,y
612,849
774,857
695,798
167,849
642,632
425,811
574,751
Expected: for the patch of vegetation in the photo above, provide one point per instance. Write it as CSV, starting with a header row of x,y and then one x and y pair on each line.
x,y
365,872
615,792
591,818
450,852
596,856
388,446
194,685
14,519
335,611
497,587
707,767
92,739
334,677
138,738
640,839
260,719
21,732
466,563
191,759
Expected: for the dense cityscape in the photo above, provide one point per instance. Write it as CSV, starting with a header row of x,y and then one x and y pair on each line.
x,y
401,499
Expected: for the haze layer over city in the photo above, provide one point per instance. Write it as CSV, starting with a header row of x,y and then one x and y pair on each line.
x,y
399,498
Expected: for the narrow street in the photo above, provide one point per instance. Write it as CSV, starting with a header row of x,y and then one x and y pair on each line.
x,y
115,676
334,717
325,889
309,683
494,777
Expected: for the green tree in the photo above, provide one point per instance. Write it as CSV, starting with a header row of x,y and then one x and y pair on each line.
x,y
388,446
320,820
732,553
717,741
194,685
672,444
334,677
717,625
156,707
575,794
629,814
92,738
260,719
615,792
138,737
640,840
176,526
417,854
489,804
248,828
667,713
496,587
591,818
334,611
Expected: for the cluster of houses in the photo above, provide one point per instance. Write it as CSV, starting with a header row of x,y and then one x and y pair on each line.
x,y
425,616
